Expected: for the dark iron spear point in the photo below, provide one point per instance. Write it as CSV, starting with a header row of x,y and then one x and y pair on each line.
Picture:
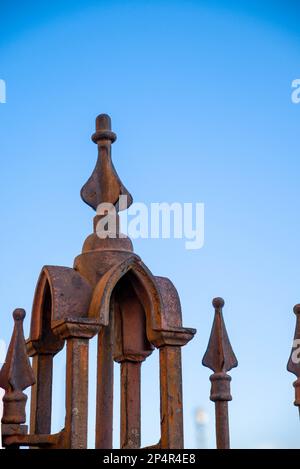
x,y
220,358
16,374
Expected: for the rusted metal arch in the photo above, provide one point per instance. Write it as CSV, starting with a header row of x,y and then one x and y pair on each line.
x,y
155,293
161,306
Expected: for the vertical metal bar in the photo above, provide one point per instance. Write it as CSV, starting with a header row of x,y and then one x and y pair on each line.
x,y
171,397
41,395
222,425
130,404
77,393
105,388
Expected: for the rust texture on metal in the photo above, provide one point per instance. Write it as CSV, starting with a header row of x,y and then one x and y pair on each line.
x,y
294,363
220,358
16,374
104,185
110,293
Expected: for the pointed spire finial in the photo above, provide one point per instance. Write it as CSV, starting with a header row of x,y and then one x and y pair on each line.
x,y
104,185
219,355
16,374
220,358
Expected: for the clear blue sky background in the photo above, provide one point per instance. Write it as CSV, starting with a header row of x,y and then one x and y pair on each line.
x,y
199,93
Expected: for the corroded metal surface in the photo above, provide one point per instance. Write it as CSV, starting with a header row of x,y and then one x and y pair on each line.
x,y
294,361
110,293
16,374
104,185
220,358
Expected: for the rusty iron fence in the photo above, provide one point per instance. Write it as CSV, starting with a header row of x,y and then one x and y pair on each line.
x,y
109,293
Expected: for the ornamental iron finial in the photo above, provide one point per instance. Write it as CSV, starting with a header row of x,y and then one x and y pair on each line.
x,y
219,355
220,358
104,185
16,374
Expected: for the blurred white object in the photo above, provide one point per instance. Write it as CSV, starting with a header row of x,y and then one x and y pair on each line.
x,y
201,423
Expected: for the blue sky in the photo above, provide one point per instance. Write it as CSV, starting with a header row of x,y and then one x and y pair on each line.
x,y
200,96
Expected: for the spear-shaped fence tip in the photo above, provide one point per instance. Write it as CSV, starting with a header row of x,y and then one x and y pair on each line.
x,y
220,358
294,361
16,374
219,355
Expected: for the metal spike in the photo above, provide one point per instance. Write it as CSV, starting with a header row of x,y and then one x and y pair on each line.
x,y
16,374
219,355
220,358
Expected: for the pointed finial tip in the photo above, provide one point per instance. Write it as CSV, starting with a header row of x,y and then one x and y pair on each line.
x,y
103,129
218,302
19,314
296,309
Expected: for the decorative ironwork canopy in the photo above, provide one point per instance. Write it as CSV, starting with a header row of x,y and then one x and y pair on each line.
x,y
109,292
